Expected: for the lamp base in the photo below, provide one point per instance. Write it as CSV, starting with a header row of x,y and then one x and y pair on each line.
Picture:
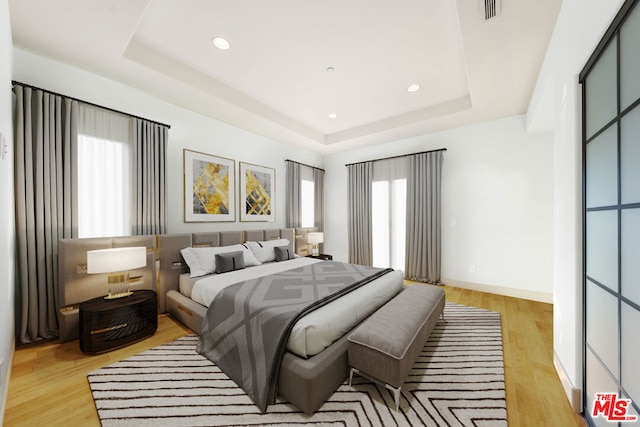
x,y
119,295
118,285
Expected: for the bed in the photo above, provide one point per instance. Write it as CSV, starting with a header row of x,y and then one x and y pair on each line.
x,y
315,362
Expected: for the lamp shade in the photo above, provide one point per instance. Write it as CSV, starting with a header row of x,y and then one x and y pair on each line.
x,y
116,259
315,238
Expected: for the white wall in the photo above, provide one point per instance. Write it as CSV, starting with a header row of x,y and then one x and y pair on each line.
x,y
497,205
579,28
189,130
7,233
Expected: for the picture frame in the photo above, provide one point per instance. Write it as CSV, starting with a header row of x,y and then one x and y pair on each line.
x,y
257,193
209,187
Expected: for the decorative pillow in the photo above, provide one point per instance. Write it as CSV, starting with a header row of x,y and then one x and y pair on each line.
x,y
202,261
264,250
229,262
283,253
249,258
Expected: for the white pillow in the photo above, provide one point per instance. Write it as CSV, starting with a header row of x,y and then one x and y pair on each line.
x,y
264,250
202,261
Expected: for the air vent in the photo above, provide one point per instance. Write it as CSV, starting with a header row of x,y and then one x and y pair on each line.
x,y
490,8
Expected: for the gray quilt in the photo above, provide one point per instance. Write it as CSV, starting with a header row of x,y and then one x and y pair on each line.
x,y
247,326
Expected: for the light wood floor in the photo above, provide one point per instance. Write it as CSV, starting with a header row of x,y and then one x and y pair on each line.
x,y
48,385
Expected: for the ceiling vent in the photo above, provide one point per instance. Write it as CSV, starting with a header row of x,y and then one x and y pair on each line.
x,y
490,8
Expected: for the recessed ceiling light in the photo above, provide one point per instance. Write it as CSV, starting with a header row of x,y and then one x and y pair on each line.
x,y
221,43
333,116
330,69
413,88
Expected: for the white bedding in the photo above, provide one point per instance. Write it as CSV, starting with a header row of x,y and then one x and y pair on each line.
x,y
318,329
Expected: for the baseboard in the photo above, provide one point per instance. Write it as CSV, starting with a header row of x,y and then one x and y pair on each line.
x,y
501,290
573,394
4,383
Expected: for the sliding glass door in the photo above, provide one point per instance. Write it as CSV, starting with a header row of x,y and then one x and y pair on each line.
x,y
389,213
388,222
611,171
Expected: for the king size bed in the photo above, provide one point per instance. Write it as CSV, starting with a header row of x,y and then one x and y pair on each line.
x,y
313,363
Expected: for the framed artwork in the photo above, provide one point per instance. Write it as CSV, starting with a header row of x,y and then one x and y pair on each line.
x,y
257,193
209,187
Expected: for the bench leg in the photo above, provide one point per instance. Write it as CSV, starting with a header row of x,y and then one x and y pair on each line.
x,y
396,395
351,374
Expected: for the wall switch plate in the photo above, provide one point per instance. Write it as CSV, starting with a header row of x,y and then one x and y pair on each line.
x,y
3,147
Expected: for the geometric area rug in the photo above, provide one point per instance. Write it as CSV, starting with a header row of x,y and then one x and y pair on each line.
x,y
458,380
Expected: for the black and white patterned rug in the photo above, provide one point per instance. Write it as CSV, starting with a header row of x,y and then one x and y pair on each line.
x,y
458,380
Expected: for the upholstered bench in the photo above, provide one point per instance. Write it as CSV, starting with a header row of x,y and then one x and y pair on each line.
x,y
385,346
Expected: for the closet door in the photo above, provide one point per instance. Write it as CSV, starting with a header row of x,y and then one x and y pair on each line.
x,y
611,149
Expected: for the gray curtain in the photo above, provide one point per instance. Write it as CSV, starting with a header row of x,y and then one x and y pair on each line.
x,y
360,178
45,182
318,194
293,195
423,244
149,214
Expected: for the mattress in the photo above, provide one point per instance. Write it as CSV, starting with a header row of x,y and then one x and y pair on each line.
x,y
318,329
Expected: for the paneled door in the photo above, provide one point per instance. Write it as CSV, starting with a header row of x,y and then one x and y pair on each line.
x,y
611,200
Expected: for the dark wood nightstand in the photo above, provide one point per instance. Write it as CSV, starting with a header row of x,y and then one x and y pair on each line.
x,y
325,257
107,324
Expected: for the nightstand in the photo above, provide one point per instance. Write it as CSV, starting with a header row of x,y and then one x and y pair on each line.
x,y
325,257
107,324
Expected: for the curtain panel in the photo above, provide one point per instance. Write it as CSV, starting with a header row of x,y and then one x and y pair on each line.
x,y
149,214
360,179
45,169
423,241
294,195
318,194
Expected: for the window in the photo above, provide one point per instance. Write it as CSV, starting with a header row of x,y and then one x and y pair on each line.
x,y
305,186
307,217
389,210
104,173
307,197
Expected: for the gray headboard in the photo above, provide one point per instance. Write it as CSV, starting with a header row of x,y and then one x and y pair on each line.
x,y
76,286
172,264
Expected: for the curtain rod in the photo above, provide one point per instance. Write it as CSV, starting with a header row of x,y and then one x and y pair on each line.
x,y
309,166
397,157
13,82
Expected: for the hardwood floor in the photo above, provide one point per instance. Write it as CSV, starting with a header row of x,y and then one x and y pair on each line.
x,y
535,396
48,383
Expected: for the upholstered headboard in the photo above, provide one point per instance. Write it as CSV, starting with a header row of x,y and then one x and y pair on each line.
x,y
76,286
172,264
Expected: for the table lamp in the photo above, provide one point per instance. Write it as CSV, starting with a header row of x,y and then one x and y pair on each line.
x,y
315,238
117,262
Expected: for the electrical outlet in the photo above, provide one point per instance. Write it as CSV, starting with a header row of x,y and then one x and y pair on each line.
x,y
472,268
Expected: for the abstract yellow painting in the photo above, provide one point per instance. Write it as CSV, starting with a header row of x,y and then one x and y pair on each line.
x,y
209,187
257,189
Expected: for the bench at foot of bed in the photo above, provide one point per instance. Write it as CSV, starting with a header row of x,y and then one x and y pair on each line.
x,y
385,346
